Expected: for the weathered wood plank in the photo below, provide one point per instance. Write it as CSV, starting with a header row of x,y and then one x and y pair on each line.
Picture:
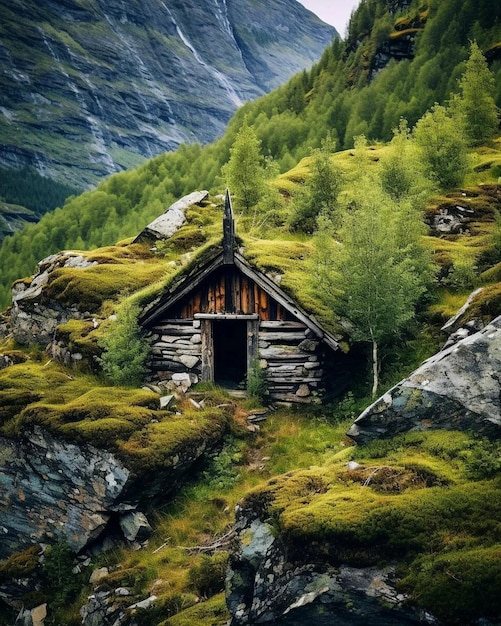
x,y
274,324
207,374
286,337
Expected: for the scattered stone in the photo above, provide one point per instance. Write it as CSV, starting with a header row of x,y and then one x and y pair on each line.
x,y
135,526
195,404
303,391
98,575
144,604
171,221
166,401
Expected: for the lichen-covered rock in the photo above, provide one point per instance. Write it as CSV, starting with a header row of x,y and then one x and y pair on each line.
x,y
456,389
33,318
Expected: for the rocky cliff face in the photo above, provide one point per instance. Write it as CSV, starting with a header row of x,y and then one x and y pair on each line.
x,y
91,88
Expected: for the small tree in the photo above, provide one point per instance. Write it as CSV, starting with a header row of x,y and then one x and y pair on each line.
x,y
376,274
245,170
476,103
402,173
321,190
125,351
440,137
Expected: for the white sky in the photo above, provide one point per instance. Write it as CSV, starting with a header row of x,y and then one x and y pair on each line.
x,y
335,12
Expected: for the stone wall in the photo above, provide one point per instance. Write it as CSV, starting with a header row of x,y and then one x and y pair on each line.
x,y
176,348
292,358
288,351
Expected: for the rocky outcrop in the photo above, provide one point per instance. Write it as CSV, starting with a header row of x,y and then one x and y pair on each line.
x,y
113,83
33,318
171,221
266,584
52,488
459,388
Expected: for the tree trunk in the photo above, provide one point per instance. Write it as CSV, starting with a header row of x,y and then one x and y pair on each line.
x,y
375,368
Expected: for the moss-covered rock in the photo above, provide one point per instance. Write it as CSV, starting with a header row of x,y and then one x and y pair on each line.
x,y
406,501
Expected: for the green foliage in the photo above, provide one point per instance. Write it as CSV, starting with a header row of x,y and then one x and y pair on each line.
x,y
208,575
244,172
320,192
27,188
476,103
443,147
401,170
59,582
380,270
257,382
124,349
221,473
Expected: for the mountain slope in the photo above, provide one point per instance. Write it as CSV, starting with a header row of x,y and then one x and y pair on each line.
x,y
90,88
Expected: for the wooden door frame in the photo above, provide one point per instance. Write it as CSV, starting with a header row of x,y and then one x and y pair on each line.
x,y
207,332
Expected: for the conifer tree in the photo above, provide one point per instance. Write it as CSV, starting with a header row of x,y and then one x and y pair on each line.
x,y
245,171
477,103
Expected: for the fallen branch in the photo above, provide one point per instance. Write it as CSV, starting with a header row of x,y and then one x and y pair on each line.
x,y
218,544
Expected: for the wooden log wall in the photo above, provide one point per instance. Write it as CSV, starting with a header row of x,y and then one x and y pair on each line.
x,y
293,360
230,291
176,348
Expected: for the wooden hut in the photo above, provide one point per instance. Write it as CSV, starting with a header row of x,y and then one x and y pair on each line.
x,y
225,315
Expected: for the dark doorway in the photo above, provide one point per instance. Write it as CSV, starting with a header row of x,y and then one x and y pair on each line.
x,y
230,352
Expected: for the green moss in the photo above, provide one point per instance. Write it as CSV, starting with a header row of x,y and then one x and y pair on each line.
x,y
408,500
129,421
19,564
80,336
458,587
91,286
213,612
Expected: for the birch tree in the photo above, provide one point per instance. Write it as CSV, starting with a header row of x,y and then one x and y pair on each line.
x,y
377,274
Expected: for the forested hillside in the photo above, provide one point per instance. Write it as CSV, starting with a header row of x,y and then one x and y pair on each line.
x,y
398,59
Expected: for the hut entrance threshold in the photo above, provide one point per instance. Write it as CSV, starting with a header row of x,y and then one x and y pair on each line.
x,y
229,344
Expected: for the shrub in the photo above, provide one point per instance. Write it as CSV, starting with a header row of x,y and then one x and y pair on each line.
x,y
207,576
125,351
257,382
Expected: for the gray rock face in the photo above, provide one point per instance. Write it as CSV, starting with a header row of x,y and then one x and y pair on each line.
x,y
117,82
51,488
33,318
264,585
171,221
459,388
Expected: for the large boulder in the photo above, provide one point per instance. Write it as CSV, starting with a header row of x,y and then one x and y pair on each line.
x,y
457,389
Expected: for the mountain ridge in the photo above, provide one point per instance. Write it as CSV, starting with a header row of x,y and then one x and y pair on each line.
x,y
90,88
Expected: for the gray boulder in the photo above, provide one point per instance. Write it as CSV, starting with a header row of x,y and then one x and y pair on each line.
x,y
171,221
456,389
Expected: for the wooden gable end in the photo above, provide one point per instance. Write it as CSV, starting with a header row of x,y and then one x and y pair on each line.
x,y
229,291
